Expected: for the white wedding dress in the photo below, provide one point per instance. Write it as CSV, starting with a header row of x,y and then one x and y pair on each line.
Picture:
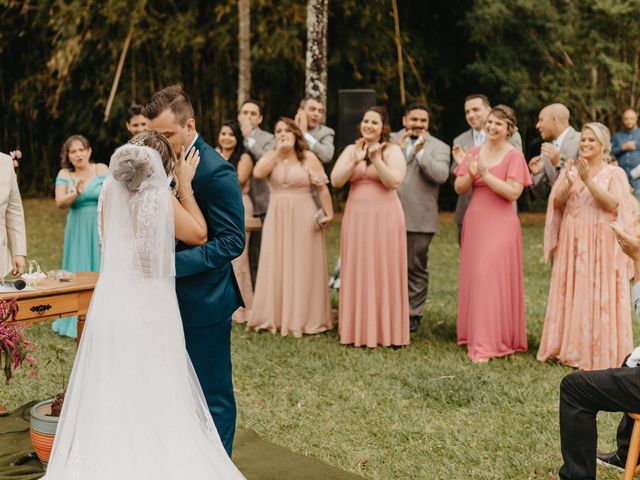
x,y
134,409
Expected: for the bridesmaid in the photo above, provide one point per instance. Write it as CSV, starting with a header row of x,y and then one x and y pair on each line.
x,y
491,320
374,296
292,294
588,320
78,186
234,152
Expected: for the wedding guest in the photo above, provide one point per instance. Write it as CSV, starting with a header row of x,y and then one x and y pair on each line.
x,y
374,298
78,186
137,122
491,320
257,142
13,241
561,144
594,332
232,150
427,161
291,295
476,111
584,394
318,137
625,146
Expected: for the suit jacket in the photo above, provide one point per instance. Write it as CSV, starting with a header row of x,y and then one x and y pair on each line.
x,y
543,182
418,192
465,140
323,148
13,239
259,189
207,289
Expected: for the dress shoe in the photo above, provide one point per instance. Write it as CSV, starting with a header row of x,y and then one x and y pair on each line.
x,y
610,460
414,322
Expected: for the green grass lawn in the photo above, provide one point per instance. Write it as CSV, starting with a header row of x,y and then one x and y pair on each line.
x,y
421,412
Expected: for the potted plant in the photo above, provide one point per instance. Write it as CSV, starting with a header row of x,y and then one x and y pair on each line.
x,y
45,415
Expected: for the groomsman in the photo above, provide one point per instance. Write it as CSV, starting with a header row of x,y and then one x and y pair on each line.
x,y
13,242
561,144
319,137
257,142
427,168
137,122
476,111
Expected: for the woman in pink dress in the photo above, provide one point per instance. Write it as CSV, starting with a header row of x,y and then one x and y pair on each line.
x,y
491,320
232,149
292,293
588,320
374,298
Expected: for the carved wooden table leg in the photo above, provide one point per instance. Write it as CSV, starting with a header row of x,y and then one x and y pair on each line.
x,y
81,319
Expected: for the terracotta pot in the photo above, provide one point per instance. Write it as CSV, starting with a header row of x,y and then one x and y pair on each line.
x,y
43,430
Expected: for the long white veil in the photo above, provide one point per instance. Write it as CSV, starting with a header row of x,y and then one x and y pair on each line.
x,y
134,407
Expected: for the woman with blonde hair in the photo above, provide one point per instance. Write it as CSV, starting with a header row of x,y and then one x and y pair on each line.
x,y
588,320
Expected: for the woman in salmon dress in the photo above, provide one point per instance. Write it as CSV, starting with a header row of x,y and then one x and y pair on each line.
x,y
292,293
588,320
374,298
231,148
491,318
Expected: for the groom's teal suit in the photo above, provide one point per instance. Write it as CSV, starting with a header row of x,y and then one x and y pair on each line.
x,y
206,285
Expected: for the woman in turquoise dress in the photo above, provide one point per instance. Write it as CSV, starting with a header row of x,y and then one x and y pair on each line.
x,y
78,186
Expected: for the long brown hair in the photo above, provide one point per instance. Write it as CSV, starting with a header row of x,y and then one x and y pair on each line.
x,y
385,135
299,146
157,141
66,146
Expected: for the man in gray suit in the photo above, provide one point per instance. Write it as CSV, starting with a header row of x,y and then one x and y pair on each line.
x,y
561,144
257,142
319,137
476,111
427,168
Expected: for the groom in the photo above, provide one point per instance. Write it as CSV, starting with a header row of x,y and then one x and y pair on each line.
x,y
206,286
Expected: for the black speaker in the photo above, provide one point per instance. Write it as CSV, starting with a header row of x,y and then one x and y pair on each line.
x,y
351,107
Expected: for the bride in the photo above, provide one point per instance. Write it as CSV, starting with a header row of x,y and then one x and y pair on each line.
x,y
134,409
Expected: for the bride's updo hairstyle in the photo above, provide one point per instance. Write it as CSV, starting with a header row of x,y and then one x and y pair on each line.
x,y
157,141
132,167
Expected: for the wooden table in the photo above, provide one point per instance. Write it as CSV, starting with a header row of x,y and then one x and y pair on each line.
x,y
55,299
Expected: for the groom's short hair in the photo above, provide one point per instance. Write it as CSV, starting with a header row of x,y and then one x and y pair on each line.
x,y
171,98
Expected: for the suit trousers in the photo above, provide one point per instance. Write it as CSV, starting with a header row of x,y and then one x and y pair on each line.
x,y
255,240
417,262
582,396
209,348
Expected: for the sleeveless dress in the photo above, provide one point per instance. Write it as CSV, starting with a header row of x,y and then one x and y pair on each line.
x,y
588,320
81,242
292,294
374,292
491,318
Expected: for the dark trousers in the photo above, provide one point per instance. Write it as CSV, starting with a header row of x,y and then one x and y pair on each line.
x,y
210,350
582,396
459,225
417,263
254,252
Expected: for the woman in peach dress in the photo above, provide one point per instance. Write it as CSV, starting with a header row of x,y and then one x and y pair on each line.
x,y
292,294
491,318
231,148
374,298
588,320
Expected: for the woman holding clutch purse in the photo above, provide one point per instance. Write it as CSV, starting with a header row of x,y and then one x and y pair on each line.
x,y
291,293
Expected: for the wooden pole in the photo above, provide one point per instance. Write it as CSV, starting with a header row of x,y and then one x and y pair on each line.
x,y
396,22
116,79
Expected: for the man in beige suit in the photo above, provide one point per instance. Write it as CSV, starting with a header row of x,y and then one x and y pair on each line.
x,y
427,168
13,242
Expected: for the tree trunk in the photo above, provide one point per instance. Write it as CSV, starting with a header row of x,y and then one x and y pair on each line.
x,y
316,64
244,50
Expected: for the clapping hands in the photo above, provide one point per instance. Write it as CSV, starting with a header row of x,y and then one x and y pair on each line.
x,y
583,169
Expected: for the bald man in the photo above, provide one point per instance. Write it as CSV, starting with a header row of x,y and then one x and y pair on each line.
x,y
561,144
625,146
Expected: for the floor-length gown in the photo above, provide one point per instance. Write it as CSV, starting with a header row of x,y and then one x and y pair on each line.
x,y
241,266
292,294
134,408
374,292
491,317
81,244
588,319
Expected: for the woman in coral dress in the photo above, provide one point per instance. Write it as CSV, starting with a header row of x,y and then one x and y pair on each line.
x,y
588,320
292,294
231,148
374,298
491,319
